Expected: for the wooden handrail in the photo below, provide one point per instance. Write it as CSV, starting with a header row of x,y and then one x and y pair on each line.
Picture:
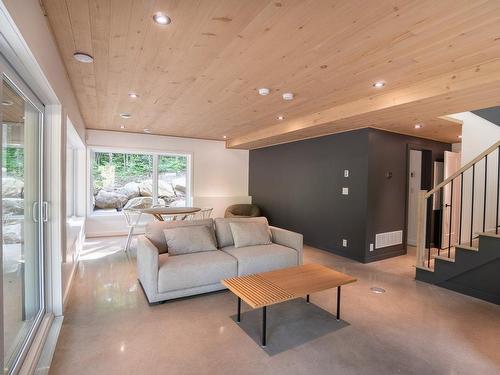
x,y
463,169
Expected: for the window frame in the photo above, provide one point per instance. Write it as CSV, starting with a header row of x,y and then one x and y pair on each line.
x,y
154,175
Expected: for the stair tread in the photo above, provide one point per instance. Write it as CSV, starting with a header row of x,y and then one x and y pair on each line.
x,y
446,259
488,234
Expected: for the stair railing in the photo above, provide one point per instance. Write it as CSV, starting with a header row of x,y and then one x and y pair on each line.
x,y
473,201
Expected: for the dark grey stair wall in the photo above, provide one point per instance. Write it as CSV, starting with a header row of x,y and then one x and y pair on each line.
x,y
475,273
482,282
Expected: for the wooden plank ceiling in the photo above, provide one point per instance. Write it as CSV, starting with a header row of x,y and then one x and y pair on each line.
x,y
198,77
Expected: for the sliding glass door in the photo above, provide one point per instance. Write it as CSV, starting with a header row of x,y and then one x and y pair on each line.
x,y
21,256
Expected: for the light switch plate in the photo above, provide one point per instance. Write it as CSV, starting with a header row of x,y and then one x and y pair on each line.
x,y
346,173
345,191
371,247
344,242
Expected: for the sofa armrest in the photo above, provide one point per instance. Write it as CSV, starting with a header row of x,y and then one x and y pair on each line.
x,y
147,265
289,239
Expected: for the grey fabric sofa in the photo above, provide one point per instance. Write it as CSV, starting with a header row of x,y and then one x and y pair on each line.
x,y
165,277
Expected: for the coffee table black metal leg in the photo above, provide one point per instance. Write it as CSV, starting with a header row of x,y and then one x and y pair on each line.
x,y
307,298
338,303
264,326
238,319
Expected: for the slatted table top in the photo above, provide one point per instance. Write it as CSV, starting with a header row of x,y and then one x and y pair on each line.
x,y
268,288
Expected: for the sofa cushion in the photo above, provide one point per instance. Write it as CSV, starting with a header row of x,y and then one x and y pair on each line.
x,y
262,258
193,270
154,230
190,239
250,234
223,230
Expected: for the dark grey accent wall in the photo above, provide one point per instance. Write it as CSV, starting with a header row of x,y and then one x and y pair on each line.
x,y
299,187
491,114
387,198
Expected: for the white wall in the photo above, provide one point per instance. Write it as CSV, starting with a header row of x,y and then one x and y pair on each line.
x,y
478,134
27,42
76,194
220,175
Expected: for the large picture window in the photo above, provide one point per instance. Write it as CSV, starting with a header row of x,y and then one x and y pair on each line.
x,y
122,180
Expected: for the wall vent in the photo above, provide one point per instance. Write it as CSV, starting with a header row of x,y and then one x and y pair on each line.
x,y
388,239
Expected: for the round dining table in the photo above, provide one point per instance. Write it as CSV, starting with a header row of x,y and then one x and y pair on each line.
x,y
159,212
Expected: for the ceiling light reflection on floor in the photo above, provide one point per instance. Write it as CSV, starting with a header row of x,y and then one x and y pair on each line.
x,y
377,290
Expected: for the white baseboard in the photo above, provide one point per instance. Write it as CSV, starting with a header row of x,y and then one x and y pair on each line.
x,y
70,284
30,362
49,347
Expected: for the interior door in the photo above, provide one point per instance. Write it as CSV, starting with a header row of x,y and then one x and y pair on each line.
x,y
451,201
21,236
414,186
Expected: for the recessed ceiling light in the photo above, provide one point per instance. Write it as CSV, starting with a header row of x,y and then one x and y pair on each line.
x,y
133,95
264,91
122,126
7,102
147,130
161,18
288,96
418,126
379,84
225,137
125,115
83,57
280,117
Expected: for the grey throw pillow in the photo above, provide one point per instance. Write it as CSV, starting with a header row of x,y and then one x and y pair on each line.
x,y
250,234
191,239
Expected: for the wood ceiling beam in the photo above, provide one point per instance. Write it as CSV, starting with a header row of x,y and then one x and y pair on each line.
x,y
475,87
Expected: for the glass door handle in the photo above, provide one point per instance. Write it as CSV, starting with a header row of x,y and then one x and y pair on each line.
x,y
45,211
34,211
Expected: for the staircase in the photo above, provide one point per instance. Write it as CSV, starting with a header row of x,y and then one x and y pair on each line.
x,y
469,259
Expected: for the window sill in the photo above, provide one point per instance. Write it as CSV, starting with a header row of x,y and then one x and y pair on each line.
x,y
104,214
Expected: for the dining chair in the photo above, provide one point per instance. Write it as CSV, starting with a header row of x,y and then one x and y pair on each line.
x,y
204,213
133,217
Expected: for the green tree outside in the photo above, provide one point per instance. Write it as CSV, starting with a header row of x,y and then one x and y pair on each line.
x,y
13,161
133,167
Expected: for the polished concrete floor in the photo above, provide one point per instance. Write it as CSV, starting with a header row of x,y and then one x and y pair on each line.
x,y
412,328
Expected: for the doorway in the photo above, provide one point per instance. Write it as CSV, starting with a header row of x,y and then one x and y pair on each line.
x,y
414,186
22,287
420,174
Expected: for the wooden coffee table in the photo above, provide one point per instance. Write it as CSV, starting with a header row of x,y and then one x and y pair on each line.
x,y
268,288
